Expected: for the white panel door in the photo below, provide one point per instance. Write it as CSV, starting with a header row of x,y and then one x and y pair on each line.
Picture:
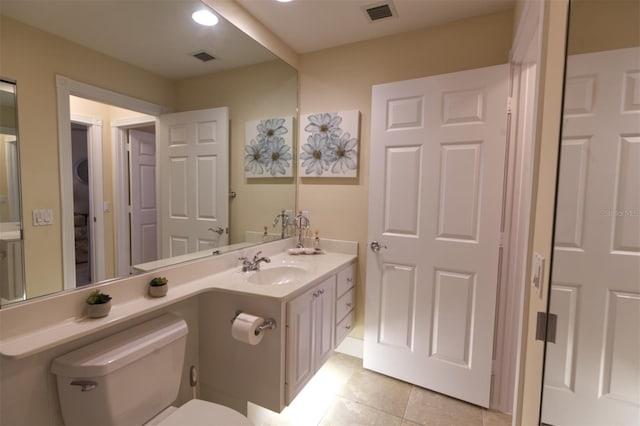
x,y
194,186
144,208
592,372
435,203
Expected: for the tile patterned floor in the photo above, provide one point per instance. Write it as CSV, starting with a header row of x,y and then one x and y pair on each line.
x,y
342,393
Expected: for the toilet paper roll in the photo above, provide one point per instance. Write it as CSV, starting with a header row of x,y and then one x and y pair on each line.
x,y
244,328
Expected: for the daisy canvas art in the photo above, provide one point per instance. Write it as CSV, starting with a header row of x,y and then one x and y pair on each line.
x,y
329,144
268,150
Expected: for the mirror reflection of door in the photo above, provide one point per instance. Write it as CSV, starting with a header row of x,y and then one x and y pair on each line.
x,y
11,248
143,199
592,371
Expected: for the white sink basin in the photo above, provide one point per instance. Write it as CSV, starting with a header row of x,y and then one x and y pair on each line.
x,y
278,274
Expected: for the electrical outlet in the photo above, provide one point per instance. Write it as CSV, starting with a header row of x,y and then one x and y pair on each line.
x,y
537,273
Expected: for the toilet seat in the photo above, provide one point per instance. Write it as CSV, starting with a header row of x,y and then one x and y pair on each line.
x,y
198,412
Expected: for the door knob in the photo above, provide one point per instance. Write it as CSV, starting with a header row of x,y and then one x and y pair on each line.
x,y
219,230
376,246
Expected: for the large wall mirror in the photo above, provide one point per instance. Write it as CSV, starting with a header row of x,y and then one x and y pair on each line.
x,y
111,103
592,370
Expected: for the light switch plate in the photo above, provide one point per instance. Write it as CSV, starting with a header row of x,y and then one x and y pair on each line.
x,y
42,217
537,273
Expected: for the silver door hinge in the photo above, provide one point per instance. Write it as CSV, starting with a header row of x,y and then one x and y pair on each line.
x,y
546,325
509,104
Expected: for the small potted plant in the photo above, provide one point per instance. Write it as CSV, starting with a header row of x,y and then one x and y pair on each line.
x,y
158,287
98,304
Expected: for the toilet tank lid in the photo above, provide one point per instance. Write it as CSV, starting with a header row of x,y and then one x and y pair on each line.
x,y
116,351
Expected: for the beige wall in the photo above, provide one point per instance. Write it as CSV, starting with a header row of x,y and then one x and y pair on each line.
x,y
340,79
603,25
252,93
33,58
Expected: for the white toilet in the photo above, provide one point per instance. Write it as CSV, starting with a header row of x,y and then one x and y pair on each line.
x,y
132,378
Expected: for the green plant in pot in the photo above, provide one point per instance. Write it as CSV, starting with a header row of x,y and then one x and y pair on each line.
x,y
158,287
98,304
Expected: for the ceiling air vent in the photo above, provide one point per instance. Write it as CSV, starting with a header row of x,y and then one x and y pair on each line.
x,y
203,56
379,11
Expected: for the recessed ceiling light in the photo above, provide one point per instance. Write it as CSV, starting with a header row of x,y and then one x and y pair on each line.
x,y
284,1
205,17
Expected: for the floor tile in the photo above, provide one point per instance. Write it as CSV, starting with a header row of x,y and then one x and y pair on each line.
x,y
342,393
377,391
495,418
345,412
432,409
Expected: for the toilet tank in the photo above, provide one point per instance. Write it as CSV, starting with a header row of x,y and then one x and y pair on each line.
x,y
126,378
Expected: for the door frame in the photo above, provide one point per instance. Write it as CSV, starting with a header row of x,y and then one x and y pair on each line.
x,y
66,87
525,59
121,187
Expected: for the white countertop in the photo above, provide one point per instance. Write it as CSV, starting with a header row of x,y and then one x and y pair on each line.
x,y
42,336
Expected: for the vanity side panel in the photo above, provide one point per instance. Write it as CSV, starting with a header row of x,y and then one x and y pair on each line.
x,y
234,372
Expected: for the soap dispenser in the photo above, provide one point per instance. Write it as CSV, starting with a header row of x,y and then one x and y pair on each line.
x,y
316,242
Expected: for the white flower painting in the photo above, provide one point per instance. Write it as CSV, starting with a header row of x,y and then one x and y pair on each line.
x,y
329,144
268,150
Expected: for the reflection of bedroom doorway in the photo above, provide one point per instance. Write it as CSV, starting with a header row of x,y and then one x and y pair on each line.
x,y
88,214
81,209
136,213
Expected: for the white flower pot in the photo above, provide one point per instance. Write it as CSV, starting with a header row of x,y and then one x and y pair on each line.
x,y
158,291
98,310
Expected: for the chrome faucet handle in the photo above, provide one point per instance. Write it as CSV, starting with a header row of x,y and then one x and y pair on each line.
x,y
257,256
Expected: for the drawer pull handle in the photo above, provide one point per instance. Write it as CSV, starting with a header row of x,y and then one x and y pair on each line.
x,y
348,305
349,280
348,327
321,291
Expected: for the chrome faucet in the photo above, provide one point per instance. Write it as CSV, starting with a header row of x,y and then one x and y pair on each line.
x,y
253,265
283,217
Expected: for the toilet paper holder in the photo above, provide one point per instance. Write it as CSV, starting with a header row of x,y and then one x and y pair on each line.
x,y
268,324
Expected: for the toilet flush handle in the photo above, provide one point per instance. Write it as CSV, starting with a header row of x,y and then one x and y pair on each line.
x,y
86,385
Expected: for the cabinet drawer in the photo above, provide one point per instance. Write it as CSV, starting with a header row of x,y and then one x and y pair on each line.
x,y
346,279
343,328
344,305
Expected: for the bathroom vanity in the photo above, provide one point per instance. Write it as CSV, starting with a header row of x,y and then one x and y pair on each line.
x,y
312,310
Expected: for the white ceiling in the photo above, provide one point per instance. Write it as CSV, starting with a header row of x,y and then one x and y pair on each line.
x,y
310,25
159,35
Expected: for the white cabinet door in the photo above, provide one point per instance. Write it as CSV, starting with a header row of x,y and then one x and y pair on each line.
x,y
324,326
299,343
310,334
435,201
